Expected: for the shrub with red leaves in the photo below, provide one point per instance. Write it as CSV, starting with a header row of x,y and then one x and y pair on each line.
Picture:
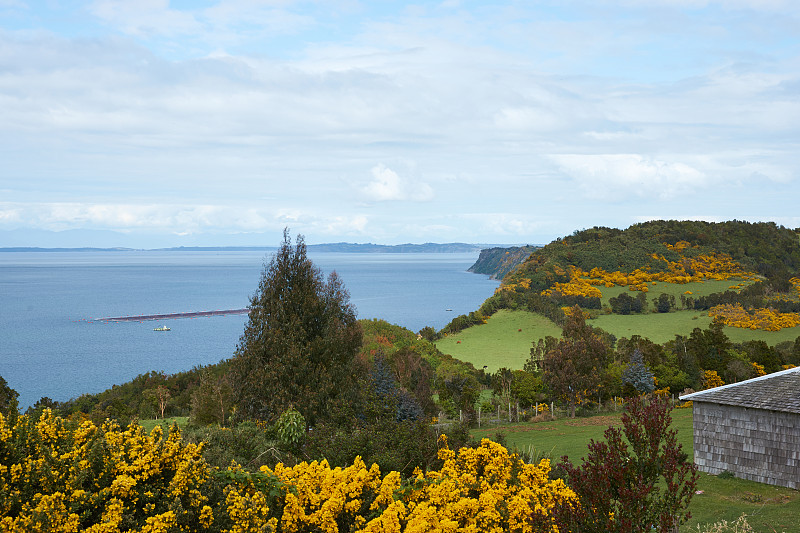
x,y
638,480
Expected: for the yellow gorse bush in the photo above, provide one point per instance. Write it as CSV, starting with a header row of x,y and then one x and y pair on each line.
x,y
712,266
759,318
711,380
485,489
476,490
97,479
57,477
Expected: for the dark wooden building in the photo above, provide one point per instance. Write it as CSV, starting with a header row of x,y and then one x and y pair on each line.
x,y
750,428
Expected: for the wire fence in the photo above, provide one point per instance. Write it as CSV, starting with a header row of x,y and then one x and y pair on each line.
x,y
512,412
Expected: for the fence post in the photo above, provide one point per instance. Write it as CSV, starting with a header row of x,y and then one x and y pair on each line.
x,y
479,416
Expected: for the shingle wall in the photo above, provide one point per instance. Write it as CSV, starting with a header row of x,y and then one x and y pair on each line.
x,y
754,444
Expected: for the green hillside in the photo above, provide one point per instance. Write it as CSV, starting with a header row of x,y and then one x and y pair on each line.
x,y
661,281
504,341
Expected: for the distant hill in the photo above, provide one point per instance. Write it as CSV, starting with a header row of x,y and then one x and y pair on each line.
x,y
429,247
339,247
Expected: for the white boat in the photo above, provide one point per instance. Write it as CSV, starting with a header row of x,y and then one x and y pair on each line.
x,y
161,328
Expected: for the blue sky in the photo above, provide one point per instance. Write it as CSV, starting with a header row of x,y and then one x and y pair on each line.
x,y
153,123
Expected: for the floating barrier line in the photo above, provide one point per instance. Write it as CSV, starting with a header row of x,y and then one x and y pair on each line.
x,y
167,316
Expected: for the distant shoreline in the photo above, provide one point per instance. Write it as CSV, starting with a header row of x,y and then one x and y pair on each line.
x,y
340,247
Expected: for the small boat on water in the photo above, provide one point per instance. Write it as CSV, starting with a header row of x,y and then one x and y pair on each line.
x,y
161,328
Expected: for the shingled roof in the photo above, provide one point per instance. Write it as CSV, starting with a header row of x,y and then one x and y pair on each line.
x,y
779,391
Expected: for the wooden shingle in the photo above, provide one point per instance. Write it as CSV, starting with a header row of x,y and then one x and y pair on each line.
x,y
779,391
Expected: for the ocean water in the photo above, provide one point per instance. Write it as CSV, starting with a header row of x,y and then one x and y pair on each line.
x,y
51,346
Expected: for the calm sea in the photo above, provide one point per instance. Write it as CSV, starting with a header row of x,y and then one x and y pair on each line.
x,y
49,345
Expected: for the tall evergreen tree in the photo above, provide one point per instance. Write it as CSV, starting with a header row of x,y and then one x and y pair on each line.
x,y
637,375
299,344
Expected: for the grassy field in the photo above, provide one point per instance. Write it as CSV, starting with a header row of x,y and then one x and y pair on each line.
x,y
697,288
768,508
661,327
500,343
504,341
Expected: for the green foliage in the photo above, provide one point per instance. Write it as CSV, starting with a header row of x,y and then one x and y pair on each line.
x,y
638,480
246,444
624,304
415,362
573,368
291,427
665,303
463,391
463,322
212,400
637,375
130,400
709,347
389,398
265,482
401,446
299,344
9,406
670,375
527,388
770,250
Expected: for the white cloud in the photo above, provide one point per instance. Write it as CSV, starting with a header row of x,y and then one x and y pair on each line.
x,y
341,225
243,115
756,5
145,17
387,185
58,216
176,219
619,176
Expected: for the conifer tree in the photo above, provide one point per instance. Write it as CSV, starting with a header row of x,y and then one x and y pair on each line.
x,y
299,344
637,375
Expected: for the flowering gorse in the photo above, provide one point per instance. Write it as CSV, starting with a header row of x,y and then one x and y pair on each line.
x,y
55,476
712,266
759,318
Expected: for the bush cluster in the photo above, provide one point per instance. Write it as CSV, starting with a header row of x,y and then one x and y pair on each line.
x,y
60,477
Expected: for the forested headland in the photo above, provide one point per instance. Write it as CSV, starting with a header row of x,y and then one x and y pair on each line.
x,y
282,435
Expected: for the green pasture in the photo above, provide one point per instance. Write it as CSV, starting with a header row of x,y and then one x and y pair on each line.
x,y
504,341
697,288
500,343
768,508
662,327
658,327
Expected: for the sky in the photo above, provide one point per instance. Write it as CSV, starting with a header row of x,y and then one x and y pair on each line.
x,y
151,123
